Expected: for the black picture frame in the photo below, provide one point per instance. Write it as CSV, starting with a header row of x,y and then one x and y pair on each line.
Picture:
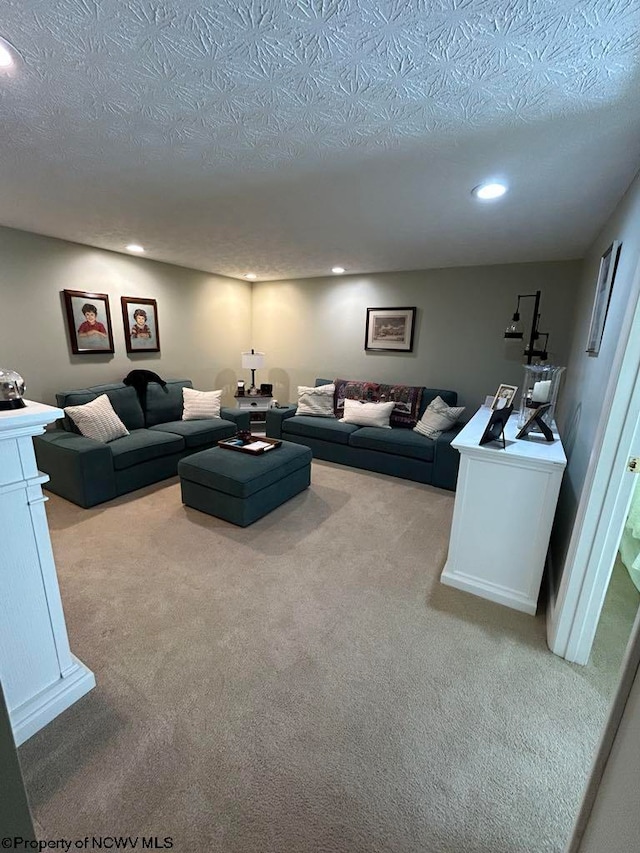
x,y
602,298
145,336
535,419
495,428
390,329
82,307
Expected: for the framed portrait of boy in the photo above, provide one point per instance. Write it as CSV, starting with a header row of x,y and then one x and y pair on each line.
x,y
140,318
88,322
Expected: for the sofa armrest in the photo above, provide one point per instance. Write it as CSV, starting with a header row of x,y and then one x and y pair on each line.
x,y
80,469
275,418
446,460
240,417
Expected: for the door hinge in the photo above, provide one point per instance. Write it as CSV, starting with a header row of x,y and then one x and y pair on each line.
x,y
633,464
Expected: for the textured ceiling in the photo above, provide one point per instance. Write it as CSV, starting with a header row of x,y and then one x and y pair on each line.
x,y
286,137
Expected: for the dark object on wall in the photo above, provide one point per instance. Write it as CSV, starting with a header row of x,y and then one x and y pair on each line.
x,y
514,329
266,388
390,329
495,428
535,420
604,286
89,322
140,318
139,379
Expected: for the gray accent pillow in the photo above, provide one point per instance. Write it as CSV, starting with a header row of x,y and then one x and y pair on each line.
x,y
97,420
317,402
437,418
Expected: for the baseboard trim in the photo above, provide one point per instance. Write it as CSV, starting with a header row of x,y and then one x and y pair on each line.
x,y
45,706
490,592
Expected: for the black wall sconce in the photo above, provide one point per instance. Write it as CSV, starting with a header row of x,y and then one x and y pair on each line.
x,y
514,329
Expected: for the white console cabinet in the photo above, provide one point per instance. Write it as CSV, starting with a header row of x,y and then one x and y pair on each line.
x,y
40,676
504,509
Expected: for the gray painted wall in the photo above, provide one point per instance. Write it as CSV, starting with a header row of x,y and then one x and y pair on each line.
x,y
204,319
587,376
316,327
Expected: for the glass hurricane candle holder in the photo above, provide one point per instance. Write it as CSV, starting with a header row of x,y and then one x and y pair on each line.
x,y
541,385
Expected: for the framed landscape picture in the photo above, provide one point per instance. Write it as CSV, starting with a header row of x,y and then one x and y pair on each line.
x,y
88,321
606,274
390,329
140,318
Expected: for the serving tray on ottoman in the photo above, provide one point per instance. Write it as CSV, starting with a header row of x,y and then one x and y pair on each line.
x,y
242,487
255,444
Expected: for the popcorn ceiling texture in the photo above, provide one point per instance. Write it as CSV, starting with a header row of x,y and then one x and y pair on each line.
x,y
155,120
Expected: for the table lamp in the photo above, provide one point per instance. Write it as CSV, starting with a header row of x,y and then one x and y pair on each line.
x,y
252,361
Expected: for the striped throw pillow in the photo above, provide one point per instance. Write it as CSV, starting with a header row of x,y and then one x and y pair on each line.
x,y
199,405
317,402
97,420
437,418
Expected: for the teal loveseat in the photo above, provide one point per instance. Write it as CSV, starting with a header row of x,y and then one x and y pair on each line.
x,y
89,472
398,451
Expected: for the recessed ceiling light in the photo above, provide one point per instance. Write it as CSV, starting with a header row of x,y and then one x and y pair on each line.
x,y
338,270
490,191
251,275
134,247
7,54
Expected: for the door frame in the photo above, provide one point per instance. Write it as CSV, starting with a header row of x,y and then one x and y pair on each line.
x,y
572,617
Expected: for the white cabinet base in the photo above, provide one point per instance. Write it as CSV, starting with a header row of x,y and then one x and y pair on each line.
x,y
503,513
45,706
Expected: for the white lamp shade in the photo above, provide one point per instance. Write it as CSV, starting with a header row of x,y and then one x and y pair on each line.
x,y
252,360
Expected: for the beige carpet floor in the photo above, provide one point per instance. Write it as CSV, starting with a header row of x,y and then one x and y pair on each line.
x,y
305,684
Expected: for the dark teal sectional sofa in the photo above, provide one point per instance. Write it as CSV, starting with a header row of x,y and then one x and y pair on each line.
x,y
398,451
88,472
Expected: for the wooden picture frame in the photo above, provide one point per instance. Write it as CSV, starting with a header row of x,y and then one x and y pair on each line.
x,y
140,319
604,286
88,322
504,396
390,329
495,427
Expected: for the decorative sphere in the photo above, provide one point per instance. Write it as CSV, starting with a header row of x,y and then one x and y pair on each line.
x,y
12,389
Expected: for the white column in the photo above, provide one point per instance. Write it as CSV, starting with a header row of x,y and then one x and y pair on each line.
x,y
40,676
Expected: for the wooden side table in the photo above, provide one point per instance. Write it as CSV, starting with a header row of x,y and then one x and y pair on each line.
x,y
503,513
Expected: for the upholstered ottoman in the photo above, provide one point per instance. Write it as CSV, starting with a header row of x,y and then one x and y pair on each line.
x,y
241,487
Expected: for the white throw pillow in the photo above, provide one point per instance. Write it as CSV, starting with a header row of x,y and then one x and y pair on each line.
x,y
437,418
97,420
199,405
367,414
317,402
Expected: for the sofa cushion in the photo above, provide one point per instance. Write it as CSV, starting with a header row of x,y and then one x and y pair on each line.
x,y
437,418
326,429
123,399
367,414
407,400
200,405
165,404
316,402
197,433
430,394
97,420
353,389
141,445
402,442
